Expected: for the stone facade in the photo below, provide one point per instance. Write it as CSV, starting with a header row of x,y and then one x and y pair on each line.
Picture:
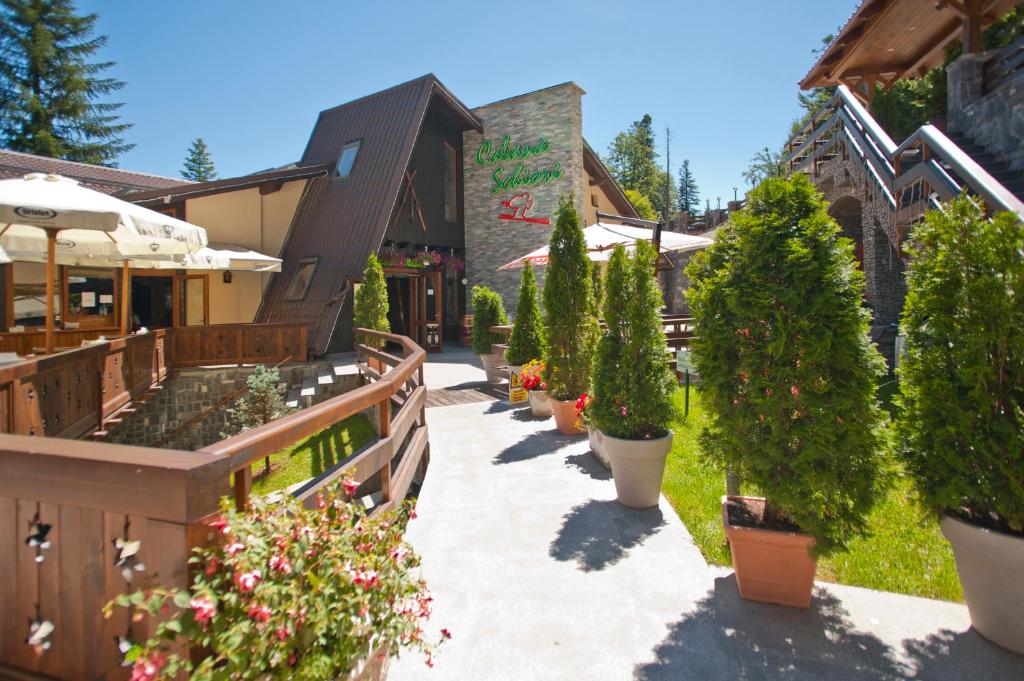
x,y
553,114
994,120
187,392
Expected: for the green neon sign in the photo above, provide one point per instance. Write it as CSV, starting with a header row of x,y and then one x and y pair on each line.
x,y
521,175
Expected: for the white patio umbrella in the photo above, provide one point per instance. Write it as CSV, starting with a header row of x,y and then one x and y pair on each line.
x,y
50,214
215,257
602,238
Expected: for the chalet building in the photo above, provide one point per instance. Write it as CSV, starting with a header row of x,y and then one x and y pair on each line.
x,y
879,187
444,194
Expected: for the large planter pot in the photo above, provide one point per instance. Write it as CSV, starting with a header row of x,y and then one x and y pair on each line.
x,y
991,567
597,446
771,566
494,367
540,403
564,412
637,468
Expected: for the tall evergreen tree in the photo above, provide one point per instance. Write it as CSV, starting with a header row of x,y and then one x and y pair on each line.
x,y
371,301
198,165
631,158
663,181
49,90
527,340
689,194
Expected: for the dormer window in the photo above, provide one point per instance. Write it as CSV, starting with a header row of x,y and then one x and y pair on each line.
x,y
347,159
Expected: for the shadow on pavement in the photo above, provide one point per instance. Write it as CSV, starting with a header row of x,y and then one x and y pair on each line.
x,y
597,534
534,445
728,638
586,463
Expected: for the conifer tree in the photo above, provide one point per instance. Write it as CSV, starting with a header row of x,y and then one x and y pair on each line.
x,y
261,403
50,91
631,158
527,340
371,303
689,195
198,165
570,326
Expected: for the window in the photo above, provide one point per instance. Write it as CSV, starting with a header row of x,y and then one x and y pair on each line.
x,y
347,159
90,294
450,187
593,201
303,277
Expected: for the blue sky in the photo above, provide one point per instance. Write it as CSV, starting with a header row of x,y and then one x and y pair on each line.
x,y
250,77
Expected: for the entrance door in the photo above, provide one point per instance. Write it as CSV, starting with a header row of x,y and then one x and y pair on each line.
x,y
152,302
192,300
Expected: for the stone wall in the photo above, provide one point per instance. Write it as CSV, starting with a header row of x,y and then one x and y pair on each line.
x,y
994,120
187,392
553,114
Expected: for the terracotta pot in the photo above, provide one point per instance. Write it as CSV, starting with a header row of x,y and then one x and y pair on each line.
x,y
596,446
494,367
637,468
991,567
771,566
564,412
540,403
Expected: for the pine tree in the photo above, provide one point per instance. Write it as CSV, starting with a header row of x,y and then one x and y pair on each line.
x,y
527,340
261,403
198,164
689,195
631,158
371,304
49,89
663,181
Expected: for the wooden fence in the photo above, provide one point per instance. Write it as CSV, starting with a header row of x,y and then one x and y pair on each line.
x,y
32,342
92,494
237,344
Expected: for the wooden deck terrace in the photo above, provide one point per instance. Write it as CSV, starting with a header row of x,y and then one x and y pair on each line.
x,y
91,494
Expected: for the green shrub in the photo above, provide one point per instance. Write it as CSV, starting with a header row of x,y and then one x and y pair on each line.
x,y
633,386
789,372
262,402
570,327
371,303
487,312
961,424
597,283
527,340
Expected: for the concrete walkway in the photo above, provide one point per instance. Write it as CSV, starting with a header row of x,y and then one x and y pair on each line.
x,y
540,574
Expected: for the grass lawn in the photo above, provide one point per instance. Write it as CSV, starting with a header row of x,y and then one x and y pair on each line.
x,y
905,553
310,457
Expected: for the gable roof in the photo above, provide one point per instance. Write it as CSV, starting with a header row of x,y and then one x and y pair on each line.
x,y
195,190
114,181
341,221
595,167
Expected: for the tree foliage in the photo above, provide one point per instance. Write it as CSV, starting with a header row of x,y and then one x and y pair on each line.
x,y
371,302
570,326
765,164
789,371
631,158
641,204
527,340
198,165
261,403
50,91
488,311
664,183
632,385
961,400
688,192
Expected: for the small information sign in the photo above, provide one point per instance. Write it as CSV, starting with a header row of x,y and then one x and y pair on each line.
x,y
516,391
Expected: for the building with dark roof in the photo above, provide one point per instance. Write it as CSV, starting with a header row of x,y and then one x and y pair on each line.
x,y
112,181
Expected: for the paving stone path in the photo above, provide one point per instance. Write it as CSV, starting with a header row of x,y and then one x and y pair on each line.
x,y
540,574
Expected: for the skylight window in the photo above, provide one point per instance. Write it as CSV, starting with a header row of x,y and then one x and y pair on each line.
x,y
347,159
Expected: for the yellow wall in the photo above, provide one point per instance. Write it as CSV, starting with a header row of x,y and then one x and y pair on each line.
x,y
249,219
604,204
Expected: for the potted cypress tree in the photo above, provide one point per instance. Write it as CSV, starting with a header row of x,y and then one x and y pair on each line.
x,y
960,426
632,407
790,379
371,307
487,312
527,341
570,327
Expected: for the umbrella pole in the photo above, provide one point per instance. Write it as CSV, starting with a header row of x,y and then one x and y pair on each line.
x,y
125,292
51,273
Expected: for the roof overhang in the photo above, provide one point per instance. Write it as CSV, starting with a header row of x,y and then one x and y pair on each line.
x,y
889,39
599,176
196,190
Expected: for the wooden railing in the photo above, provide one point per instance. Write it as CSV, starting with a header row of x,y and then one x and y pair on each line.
x,y
400,451
92,494
238,344
30,342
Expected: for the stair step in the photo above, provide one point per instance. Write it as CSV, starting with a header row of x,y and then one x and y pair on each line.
x,y
292,398
309,389
325,377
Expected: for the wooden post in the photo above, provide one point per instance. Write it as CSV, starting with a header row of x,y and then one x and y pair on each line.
x,y
243,486
126,313
972,26
51,272
384,422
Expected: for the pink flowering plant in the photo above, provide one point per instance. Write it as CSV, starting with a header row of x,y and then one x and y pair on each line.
x,y
288,592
